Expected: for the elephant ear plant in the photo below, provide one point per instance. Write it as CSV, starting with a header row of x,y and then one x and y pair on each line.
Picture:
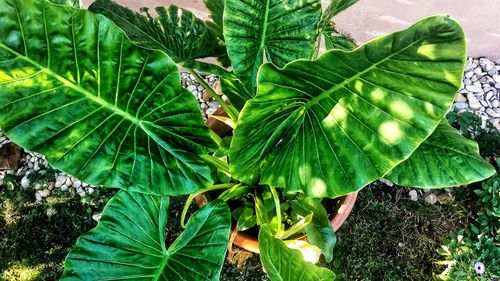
x,y
98,93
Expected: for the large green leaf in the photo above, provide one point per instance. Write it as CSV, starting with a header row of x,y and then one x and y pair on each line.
x,y
235,91
329,127
279,30
284,264
176,31
319,231
72,3
74,88
445,159
216,8
129,243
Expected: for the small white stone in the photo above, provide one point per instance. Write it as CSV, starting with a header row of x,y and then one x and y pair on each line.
x,y
90,190
97,216
474,88
64,188
45,193
495,103
69,182
460,98
489,95
460,105
387,182
496,78
36,167
191,88
473,102
211,110
469,74
492,113
431,199
37,186
38,196
413,195
25,182
77,184
60,180
81,192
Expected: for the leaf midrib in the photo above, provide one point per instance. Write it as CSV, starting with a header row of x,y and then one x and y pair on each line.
x,y
334,89
74,87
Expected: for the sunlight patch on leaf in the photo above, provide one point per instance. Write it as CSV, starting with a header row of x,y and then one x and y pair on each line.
x,y
391,131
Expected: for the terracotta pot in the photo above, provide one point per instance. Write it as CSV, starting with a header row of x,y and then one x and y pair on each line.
x,y
248,242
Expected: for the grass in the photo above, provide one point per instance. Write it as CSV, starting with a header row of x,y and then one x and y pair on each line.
x,y
36,237
387,237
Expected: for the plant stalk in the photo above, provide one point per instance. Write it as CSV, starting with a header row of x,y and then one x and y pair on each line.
x,y
199,192
278,209
215,162
231,110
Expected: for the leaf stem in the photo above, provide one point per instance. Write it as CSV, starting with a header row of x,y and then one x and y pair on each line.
x,y
215,162
278,209
231,110
235,192
199,192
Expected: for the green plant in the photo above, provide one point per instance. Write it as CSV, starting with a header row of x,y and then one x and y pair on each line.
x,y
473,253
105,105
470,126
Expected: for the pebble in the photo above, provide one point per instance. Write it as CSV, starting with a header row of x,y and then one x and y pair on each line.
x,y
77,184
460,98
431,199
25,182
473,102
44,193
387,182
460,105
97,216
413,195
60,180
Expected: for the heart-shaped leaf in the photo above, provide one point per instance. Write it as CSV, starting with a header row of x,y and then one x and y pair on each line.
x,y
284,264
129,243
176,31
279,30
329,127
74,88
445,159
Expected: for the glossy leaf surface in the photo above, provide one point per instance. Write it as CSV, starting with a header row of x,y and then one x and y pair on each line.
x,y
284,264
74,88
129,243
279,30
445,159
235,91
319,231
329,127
335,40
175,31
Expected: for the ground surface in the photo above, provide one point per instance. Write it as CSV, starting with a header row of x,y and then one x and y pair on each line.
x,y
387,237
